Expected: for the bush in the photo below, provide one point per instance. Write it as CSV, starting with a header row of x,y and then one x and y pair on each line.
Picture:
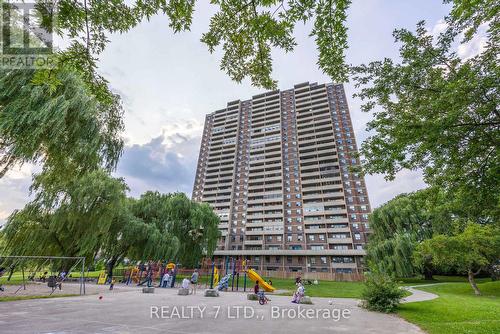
x,y
381,293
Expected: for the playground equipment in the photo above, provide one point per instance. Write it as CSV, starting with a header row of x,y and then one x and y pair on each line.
x,y
252,274
224,282
66,265
233,268
216,276
102,277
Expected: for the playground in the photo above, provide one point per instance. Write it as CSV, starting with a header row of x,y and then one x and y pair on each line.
x,y
128,310
89,305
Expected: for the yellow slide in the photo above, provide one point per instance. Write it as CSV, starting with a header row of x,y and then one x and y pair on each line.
x,y
252,274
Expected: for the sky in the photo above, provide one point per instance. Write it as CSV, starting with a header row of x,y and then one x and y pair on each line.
x,y
169,82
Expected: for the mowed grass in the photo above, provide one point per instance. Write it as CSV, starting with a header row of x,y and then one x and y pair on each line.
x,y
457,310
14,298
331,289
437,279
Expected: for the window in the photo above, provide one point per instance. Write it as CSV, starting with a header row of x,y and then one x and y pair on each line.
x,y
357,236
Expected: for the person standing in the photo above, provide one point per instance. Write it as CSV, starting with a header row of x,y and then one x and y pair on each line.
x,y
166,279
173,276
194,281
112,284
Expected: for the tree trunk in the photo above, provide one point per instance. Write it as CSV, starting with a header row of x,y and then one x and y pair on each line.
x,y
473,283
428,274
12,268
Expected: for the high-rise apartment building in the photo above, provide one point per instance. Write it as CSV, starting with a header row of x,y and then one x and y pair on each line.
x,y
276,169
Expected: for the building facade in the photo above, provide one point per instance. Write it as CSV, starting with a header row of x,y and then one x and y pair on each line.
x,y
276,169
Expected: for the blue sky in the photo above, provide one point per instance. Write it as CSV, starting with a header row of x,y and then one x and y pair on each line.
x,y
168,82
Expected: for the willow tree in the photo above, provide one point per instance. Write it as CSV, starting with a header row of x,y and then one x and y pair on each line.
x,y
76,225
63,127
154,240
137,237
195,225
401,224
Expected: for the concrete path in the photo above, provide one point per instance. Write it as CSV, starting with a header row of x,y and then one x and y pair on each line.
x,y
418,295
166,312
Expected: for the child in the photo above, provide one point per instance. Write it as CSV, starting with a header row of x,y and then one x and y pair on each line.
x,y
258,292
166,279
256,288
194,281
297,296
112,285
185,283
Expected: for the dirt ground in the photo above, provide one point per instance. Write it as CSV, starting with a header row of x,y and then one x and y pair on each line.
x,y
41,289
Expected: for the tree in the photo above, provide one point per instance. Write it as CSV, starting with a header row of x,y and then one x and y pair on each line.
x,y
438,112
153,241
400,225
381,292
63,127
196,227
247,31
471,251
162,227
75,225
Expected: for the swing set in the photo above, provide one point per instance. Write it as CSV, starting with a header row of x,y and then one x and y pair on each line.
x,y
42,265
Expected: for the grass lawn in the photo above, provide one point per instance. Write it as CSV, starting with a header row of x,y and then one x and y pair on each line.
x,y
457,310
14,298
323,289
437,279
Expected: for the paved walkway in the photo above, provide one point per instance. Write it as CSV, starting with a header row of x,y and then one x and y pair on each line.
x,y
418,295
134,312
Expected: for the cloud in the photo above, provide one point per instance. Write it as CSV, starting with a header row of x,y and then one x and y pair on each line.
x,y
438,28
166,163
476,45
14,190
381,191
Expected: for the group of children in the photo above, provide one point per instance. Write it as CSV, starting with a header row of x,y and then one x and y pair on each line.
x,y
192,283
297,295
187,283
